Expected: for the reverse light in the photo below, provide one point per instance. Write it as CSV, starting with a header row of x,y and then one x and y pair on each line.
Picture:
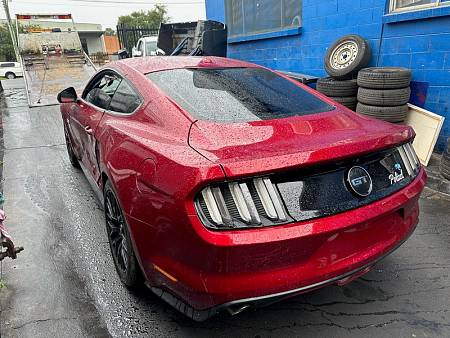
x,y
250,203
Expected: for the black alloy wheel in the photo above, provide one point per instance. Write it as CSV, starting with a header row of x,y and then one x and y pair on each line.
x,y
120,241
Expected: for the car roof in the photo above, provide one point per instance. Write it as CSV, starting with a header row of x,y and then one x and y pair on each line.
x,y
157,63
150,38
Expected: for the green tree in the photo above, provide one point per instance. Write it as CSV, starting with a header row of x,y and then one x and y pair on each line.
x,y
6,45
148,19
110,31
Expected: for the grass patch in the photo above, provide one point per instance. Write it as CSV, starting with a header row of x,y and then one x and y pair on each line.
x,y
2,284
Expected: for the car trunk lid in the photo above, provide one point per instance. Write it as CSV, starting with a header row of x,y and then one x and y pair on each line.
x,y
272,145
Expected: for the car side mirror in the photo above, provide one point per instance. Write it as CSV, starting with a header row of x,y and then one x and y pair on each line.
x,y
159,51
68,95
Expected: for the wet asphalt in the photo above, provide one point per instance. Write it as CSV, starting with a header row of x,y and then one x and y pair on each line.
x,y
64,283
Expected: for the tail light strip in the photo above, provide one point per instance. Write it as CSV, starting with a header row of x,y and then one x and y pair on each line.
x,y
242,200
257,202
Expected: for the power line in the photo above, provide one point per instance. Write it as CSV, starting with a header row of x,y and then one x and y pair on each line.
x,y
103,5
121,2
139,2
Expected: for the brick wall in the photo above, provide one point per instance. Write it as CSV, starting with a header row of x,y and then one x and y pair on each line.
x,y
422,44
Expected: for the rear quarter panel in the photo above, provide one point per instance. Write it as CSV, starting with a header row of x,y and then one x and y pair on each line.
x,y
155,173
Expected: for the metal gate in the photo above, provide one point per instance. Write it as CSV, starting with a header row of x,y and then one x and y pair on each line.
x,y
128,36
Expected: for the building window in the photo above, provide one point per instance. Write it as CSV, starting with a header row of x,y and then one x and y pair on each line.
x,y
411,5
252,17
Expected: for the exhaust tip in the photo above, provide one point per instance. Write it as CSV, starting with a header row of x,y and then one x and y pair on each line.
x,y
236,309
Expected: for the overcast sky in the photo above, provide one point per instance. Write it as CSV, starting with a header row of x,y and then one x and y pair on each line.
x,y
106,12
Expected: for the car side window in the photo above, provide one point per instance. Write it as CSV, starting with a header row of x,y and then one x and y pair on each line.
x,y
102,90
7,65
125,99
140,46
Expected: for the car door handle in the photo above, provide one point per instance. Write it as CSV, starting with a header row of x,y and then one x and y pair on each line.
x,y
88,130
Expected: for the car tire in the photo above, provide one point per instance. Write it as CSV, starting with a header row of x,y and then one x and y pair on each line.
x,y
349,102
384,78
10,75
390,114
347,56
72,157
335,88
384,97
119,239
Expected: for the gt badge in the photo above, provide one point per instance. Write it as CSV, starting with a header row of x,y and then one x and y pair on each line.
x,y
359,181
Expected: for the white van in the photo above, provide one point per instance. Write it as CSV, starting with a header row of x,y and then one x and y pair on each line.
x,y
10,70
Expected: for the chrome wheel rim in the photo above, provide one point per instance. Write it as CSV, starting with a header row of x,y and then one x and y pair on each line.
x,y
344,55
115,225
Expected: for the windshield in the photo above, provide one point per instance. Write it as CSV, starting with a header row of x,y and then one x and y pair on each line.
x,y
150,47
236,94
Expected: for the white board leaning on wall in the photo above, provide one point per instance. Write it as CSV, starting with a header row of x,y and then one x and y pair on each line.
x,y
427,126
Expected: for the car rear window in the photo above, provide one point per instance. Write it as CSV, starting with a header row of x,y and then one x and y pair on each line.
x,y
236,94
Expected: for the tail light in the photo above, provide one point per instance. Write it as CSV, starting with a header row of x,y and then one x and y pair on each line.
x,y
409,157
258,202
251,203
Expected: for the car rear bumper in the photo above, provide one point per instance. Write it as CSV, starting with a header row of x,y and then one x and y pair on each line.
x,y
236,269
237,306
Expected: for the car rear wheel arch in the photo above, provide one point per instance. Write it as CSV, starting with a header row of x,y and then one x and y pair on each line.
x,y
104,179
131,275
71,152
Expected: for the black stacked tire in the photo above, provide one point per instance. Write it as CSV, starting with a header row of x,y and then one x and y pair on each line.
x,y
384,93
349,102
341,91
445,162
384,78
391,114
336,88
384,97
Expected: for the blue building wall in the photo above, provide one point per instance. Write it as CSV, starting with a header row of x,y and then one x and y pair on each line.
x,y
417,40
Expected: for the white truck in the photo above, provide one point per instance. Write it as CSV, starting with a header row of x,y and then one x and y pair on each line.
x,y
146,46
10,70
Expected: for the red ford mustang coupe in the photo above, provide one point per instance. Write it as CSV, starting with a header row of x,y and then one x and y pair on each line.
x,y
227,185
